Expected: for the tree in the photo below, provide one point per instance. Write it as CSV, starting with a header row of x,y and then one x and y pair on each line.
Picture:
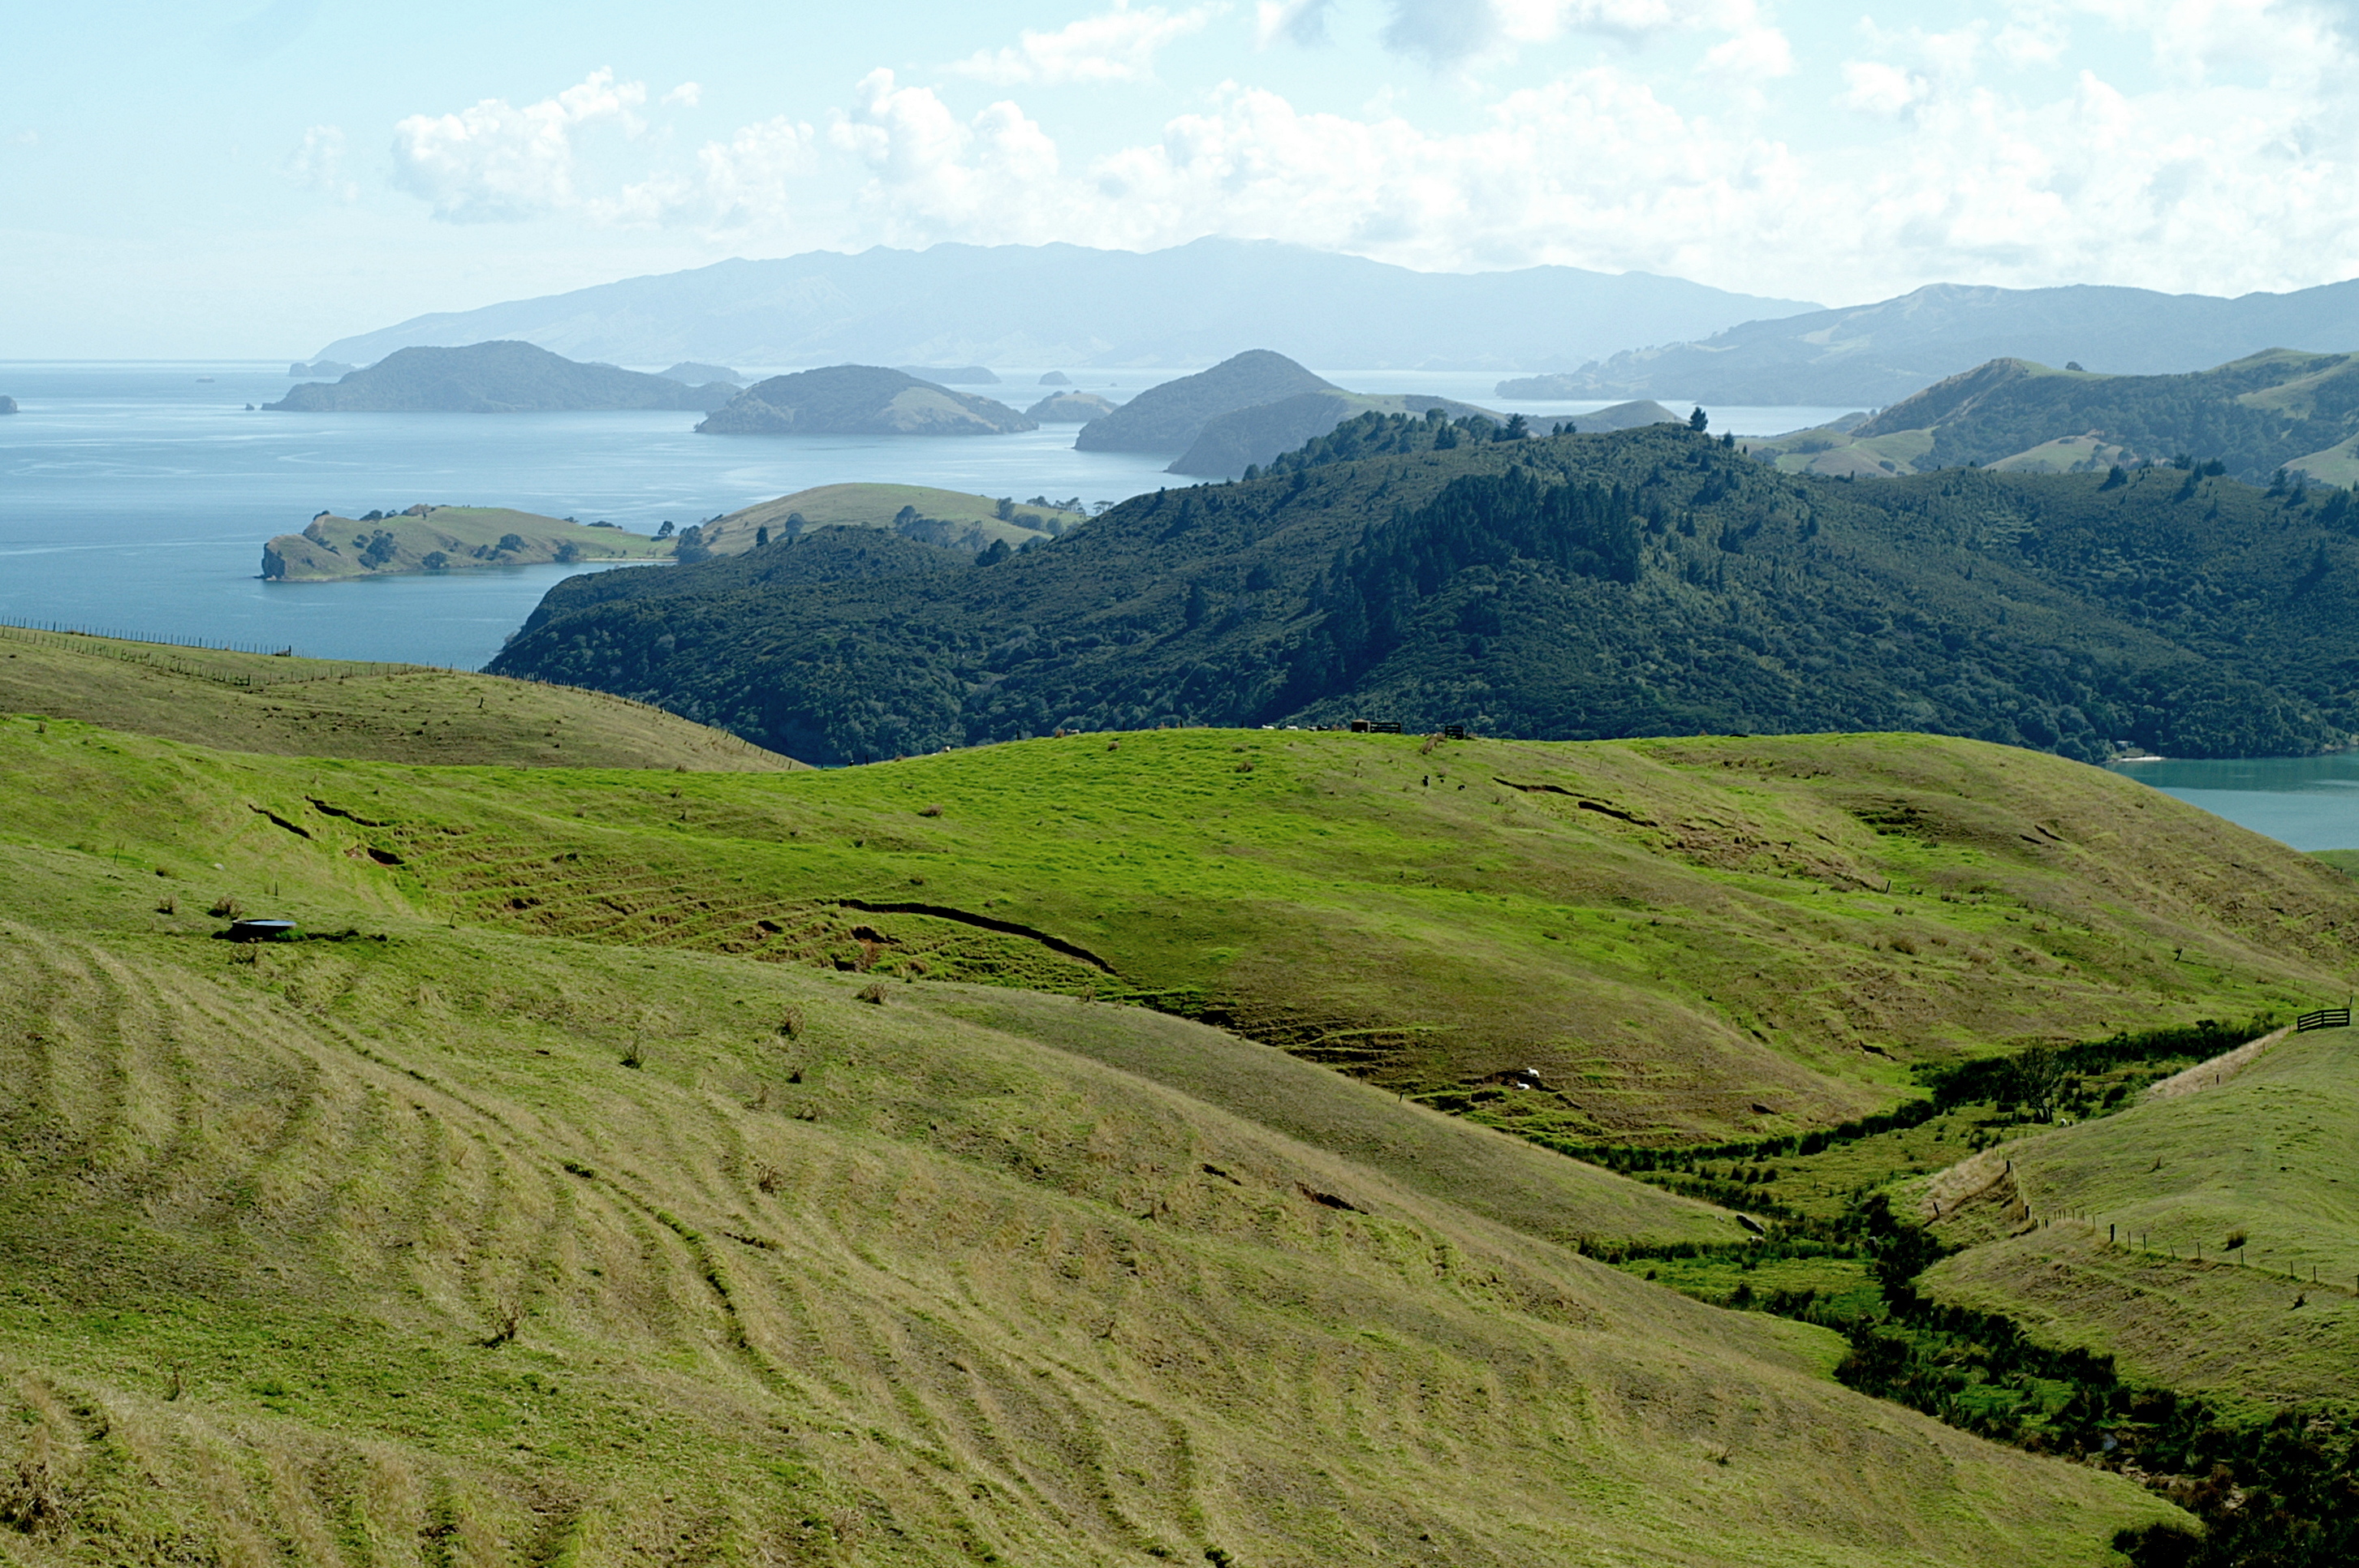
x,y
1516,430
761,536
664,532
1006,510
1699,421
2038,1073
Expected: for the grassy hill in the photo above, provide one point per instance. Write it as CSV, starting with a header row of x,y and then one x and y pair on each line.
x,y
2270,411
2115,1234
951,513
308,708
494,378
1686,940
445,538
1650,581
453,1241
855,400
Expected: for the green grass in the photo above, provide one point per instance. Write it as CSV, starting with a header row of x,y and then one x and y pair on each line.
x,y
876,506
252,702
2094,1235
965,1275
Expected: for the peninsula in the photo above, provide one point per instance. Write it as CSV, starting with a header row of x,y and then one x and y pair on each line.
x,y
445,538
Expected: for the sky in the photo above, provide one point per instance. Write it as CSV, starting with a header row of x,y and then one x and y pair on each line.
x,y
240,179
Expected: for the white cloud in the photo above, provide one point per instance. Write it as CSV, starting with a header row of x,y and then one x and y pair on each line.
x,y
1118,44
1757,54
936,175
1452,33
687,94
318,163
1302,22
495,162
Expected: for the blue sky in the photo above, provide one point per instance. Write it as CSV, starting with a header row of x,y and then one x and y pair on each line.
x,y
242,178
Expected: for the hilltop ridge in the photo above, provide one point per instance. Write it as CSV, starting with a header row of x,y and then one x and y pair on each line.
x,y
493,378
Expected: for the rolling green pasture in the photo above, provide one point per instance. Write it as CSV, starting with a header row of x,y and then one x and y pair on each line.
x,y
1685,939
449,1236
2209,1240
253,702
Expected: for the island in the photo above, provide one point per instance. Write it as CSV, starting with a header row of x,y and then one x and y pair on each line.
x,y
495,378
320,370
860,400
1069,409
7,405
446,538
1169,418
690,373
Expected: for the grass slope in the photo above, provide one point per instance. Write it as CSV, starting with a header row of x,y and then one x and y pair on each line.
x,y
878,506
1691,939
2278,409
455,1245
445,538
251,702
2093,1236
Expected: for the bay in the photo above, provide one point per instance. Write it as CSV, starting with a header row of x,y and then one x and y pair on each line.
x,y
2310,803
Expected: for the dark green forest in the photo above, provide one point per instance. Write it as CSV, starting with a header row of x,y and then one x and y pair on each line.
x,y
1432,572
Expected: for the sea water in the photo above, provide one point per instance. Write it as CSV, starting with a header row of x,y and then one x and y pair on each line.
x,y
135,498
2310,803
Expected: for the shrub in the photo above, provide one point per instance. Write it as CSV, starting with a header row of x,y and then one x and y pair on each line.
x,y
873,992
791,1023
225,908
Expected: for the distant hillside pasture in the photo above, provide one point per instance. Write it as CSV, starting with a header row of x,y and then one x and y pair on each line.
x,y
2295,412
2209,1241
945,517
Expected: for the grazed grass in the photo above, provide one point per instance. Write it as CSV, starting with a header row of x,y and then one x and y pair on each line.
x,y
2115,1233
1765,938
935,1280
252,702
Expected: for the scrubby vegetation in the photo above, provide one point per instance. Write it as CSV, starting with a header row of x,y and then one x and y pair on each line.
x,y
1688,590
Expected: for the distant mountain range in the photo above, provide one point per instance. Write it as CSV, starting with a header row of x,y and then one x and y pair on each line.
x,y
2282,410
1066,305
1869,356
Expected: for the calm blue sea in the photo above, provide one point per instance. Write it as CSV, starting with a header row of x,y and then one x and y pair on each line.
x,y
137,497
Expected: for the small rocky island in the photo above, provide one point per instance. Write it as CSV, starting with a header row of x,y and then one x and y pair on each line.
x,y
444,539
7,405
495,378
861,400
